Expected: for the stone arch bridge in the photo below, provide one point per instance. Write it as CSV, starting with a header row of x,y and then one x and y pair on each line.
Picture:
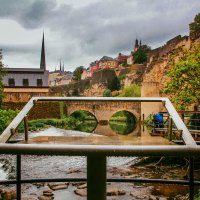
x,y
104,110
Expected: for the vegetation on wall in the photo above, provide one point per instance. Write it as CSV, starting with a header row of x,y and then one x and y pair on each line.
x,y
115,84
183,77
107,93
131,91
77,73
195,26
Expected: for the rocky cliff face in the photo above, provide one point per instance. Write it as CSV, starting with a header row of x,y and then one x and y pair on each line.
x,y
157,65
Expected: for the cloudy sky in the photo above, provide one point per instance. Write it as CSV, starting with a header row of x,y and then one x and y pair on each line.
x,y
82,31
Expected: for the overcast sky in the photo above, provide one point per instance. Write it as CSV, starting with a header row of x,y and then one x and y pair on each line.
x,y
82,31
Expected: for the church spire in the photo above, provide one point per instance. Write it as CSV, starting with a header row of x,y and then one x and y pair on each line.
x,y
42,60
136,43
63,67
60,66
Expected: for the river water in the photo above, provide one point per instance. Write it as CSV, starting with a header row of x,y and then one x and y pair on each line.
x,y
56,166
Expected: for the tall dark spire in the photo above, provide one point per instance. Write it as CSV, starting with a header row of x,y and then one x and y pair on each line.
x,y
42,60
63,69
136,43
60,66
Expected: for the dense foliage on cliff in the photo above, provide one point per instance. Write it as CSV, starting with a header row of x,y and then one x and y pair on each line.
x,y
77,73
140,56
107,93
2,73
183,83
131,91
195,26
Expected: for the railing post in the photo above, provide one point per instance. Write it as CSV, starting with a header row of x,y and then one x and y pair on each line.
x,y
26,128
170,129
96,177
191,178
183,117
18,186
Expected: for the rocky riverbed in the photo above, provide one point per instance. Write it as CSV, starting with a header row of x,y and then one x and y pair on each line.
x,y
129,168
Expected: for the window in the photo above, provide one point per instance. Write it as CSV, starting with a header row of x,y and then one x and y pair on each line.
x,y
11,82
39,82
25,82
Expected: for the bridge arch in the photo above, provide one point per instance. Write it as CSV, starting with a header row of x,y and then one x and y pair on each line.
x,y
135,125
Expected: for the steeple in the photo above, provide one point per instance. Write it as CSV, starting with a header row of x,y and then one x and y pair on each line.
x,y
63,67
140,43
136,43
60,66
42,60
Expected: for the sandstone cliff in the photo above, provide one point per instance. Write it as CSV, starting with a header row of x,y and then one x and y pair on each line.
x,y
158,66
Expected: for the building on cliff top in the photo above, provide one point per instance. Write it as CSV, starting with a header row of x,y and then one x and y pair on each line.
x,y
60,76
20,84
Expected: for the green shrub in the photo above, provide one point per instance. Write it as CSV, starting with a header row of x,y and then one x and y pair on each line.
x,y
6,116
131,91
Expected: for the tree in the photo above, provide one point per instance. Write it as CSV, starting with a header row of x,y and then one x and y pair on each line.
x,y
115,84
2,73
140,56
195,26
107,93
183,84
131,91
77,73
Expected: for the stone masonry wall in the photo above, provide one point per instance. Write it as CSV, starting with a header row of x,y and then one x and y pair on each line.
x,y
41,110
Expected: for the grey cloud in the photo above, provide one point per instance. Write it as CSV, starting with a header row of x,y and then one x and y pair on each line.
x,y
103,27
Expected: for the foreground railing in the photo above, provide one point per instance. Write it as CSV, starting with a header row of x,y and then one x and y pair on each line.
x,y
96,154
96,164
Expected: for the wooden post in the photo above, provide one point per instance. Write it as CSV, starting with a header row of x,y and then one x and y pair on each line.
x,y
26,128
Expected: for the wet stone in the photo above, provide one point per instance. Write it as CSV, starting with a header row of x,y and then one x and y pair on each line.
x,y
45,198
48,193
78,183
38,185
71,171
8,195
61,186
83,186
151,197
81,192
115,192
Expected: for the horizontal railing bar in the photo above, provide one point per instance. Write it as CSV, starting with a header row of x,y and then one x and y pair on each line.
x,y
106,150
180,142
134,99
114,180
140,180
44,180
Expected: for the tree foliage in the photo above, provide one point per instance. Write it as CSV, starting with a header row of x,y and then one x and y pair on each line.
x,y
6,116
2,73
131,91
115,84
183,84
195,26
107,93
77,73
140,56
